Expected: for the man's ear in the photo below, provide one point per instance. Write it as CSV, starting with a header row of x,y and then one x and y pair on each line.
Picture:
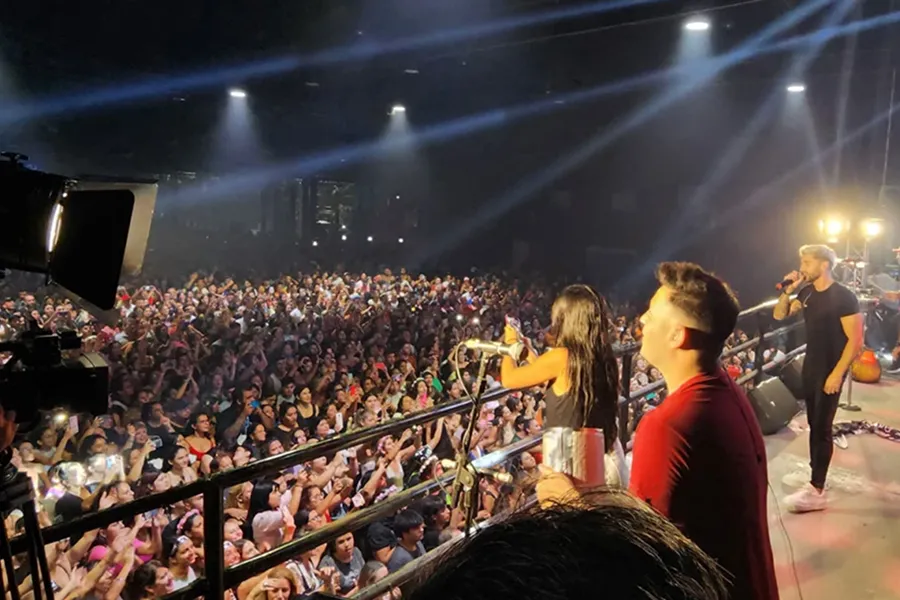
x,y
679,338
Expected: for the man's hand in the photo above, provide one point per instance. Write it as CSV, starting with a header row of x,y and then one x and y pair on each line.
x,y
833,383
797,278
555,488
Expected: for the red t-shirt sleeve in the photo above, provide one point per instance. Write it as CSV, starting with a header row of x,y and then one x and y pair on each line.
x,y
658,461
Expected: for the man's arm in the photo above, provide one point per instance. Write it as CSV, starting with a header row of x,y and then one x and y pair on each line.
x,y
853,329
786,307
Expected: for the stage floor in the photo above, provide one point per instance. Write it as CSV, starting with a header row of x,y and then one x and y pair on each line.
x,y
851,550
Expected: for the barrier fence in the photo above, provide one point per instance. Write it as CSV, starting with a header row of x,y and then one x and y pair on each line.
x,y
217,578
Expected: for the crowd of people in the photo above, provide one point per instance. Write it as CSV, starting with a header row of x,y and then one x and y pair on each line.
x,y
217,373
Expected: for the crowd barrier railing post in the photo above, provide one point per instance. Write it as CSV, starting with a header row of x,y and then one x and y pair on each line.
x,y
214,539
625,407
758,355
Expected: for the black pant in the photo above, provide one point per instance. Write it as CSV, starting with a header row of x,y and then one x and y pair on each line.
x,y
820,411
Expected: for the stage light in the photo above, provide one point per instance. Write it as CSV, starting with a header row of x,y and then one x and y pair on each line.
x,y
85,235
833,227
369,239
397,109
697,24
400,241
796,88
54,226
872,228
343,238
315,243
237,93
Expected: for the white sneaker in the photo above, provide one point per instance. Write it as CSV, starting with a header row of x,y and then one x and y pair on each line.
x,y
806,499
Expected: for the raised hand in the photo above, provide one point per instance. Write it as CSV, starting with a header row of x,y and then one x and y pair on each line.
x,y
106,501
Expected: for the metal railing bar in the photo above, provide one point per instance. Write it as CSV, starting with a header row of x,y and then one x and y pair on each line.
x,y
314,450
788,357
751,343
498,457
782,330
647,389
102,518
354,521
761,307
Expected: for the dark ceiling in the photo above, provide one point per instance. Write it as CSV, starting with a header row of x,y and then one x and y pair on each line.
x,y
55,49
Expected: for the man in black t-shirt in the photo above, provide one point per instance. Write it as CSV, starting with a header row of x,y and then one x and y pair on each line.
x,y
834,337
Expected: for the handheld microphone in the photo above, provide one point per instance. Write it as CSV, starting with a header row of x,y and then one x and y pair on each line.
x,y
513,351
789,282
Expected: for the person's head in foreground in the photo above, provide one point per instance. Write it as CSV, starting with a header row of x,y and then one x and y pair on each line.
x,y
689,318
605,544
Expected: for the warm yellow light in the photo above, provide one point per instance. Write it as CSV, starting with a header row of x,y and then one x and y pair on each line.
x,y
832,227
872,228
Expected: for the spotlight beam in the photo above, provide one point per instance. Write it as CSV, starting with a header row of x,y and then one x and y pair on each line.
x,y
150,88
756,200
520,192
488,120
735,152
160,86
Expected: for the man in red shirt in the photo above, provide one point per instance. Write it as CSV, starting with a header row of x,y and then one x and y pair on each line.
x,y
699,459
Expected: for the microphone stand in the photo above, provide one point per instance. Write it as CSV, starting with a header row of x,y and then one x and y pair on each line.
x,y
466,484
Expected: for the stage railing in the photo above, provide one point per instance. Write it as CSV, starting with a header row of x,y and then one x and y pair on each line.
x,y
217,578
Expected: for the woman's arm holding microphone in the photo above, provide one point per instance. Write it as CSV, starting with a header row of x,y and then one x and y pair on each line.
x,y
544,368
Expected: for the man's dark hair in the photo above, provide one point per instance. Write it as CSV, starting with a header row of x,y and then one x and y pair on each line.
x,y
705,298
609,545
406,520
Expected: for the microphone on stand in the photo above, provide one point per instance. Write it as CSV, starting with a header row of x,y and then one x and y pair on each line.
x,y
513,351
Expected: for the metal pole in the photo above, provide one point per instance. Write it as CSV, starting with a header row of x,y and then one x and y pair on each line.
x,y
214,539
887,137
624,434
849,404
33,529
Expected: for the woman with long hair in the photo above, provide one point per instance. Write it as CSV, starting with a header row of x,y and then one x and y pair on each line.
x,y
582,372
269,523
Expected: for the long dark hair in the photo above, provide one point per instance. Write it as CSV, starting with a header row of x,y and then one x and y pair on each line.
x,y
581,324
259,499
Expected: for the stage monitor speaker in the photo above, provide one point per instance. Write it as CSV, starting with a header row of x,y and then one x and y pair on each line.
x,y
774,405
792,376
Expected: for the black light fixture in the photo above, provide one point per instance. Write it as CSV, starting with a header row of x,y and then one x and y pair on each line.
x,y
83,234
